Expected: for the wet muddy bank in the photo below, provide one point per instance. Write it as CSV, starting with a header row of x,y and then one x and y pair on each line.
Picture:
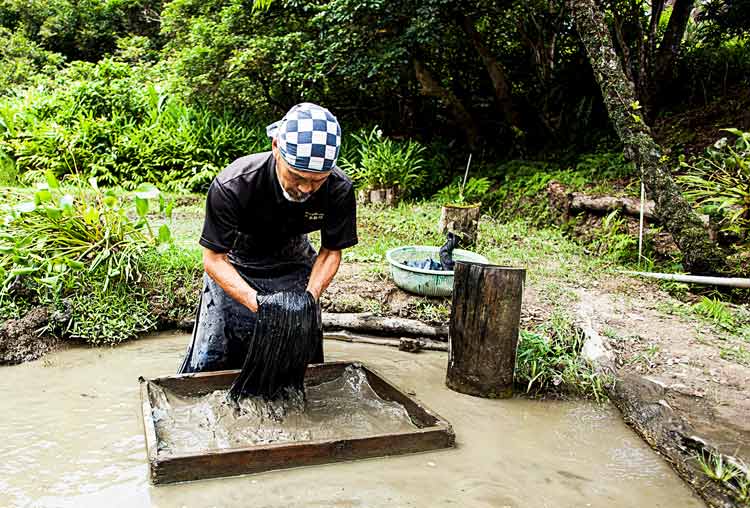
x,y
671,386
648,408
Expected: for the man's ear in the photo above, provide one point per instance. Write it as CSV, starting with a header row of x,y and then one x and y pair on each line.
x,y
274,145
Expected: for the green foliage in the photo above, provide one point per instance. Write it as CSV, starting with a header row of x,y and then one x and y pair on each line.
x,y
549,361
522,189
730,475
64,233
612,239
715,310
381,162
457,193
116,122
23,61
719,181
81,29
108,316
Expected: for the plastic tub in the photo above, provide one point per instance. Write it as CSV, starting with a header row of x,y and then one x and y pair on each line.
x,y
421,281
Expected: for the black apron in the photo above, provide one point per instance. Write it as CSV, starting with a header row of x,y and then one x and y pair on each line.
x,y
223,327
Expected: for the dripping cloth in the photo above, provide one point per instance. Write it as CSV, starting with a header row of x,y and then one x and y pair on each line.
x,y
286,336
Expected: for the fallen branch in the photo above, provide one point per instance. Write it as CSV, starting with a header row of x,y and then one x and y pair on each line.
x,y
580,202
367,322
404,343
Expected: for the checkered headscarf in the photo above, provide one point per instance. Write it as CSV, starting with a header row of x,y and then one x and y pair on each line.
x,y
308,137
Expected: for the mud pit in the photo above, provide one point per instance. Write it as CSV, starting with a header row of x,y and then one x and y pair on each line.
x,y
72,437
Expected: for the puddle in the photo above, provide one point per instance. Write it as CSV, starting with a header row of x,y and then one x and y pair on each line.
x,y
72,436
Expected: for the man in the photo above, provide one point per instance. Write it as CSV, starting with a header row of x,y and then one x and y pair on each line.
x,y
258,213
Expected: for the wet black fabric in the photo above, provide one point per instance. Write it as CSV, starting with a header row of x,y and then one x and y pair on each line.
x,y
424,264
248,217
224,327
446,257
446,251
286,337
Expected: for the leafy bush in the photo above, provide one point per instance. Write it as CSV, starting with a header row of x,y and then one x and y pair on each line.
x,y
382,162
457,193
107,123
24,62
720,182
715,310
59,236
81,29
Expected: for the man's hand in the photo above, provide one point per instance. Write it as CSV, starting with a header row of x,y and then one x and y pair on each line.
x,y
252,301
314,294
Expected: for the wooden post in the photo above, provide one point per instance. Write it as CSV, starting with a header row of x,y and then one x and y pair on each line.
x,y
484,329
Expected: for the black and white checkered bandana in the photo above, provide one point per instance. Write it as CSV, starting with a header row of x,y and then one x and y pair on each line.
x,y
308,137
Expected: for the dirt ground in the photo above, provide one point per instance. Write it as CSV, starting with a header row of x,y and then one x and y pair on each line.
x,y
676,380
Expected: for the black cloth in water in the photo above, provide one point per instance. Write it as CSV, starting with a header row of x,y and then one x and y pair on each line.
x,y
446,251
424,264
446,257
286,338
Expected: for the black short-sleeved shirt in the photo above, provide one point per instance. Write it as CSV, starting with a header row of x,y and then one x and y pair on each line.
x,y
248,216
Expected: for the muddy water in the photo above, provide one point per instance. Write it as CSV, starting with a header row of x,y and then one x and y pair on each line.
x,y
345,407
71,436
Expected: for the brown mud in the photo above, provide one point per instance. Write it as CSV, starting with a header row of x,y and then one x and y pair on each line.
x,y
674,383
27,338
73,437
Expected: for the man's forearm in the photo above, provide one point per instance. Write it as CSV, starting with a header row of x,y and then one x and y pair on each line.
x,y
226,276
323,271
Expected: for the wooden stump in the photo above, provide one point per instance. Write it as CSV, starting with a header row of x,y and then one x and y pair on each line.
x,y
484,329
462,221
389,196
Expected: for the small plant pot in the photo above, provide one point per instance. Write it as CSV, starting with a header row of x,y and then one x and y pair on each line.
x,y
462,221
389,196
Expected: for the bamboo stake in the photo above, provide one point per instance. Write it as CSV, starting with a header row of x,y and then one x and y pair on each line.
x,y
736,282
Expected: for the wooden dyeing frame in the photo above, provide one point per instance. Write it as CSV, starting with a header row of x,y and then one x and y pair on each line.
x,y
433,432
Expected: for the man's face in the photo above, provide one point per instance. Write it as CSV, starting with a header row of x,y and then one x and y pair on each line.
x,y
298,185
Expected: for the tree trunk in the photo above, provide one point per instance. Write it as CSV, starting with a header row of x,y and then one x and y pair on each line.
x,y
496,72
672,39
484,329
431,87
700,255
663,58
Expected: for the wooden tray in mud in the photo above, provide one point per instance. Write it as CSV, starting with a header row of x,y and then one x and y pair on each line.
x,y
432,432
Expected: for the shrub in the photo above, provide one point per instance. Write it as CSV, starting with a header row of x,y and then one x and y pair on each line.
x,y
382,162
549,361
108,124
61,235
471,193
719,181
